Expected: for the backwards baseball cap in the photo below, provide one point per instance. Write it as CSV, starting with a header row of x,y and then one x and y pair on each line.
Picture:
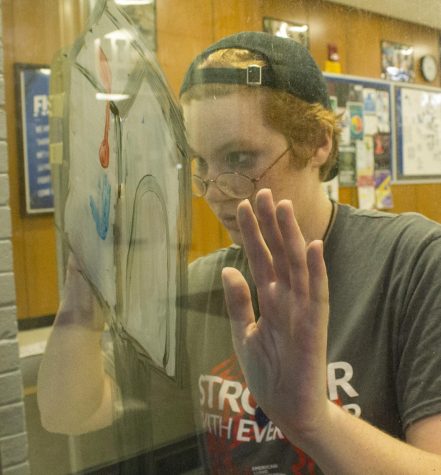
x,y
289,67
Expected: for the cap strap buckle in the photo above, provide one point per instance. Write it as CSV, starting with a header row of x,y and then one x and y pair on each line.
x,y
254,75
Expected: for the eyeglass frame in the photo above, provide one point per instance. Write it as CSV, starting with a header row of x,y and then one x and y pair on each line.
x,y
254,181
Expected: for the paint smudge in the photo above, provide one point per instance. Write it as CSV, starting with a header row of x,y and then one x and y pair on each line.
x,y
101,213
106,78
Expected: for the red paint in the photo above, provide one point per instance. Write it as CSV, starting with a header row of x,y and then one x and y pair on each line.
x,y
106,78
104,147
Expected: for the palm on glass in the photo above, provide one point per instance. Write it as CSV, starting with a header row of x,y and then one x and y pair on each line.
x,y
283,353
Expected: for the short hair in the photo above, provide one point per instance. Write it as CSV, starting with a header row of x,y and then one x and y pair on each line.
x,y
304,125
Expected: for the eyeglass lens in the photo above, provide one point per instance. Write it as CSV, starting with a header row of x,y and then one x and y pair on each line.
x,y
232,184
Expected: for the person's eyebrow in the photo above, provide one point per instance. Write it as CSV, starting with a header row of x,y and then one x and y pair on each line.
x,y
234,144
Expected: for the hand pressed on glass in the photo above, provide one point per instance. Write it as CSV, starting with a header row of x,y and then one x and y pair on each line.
x,y
283,353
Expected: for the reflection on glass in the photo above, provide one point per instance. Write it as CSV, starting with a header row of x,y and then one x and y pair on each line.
x,y
117,148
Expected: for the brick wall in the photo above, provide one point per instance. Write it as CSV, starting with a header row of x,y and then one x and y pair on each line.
x,y
13,439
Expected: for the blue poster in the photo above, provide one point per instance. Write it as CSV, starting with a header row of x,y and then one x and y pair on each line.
x,y
34,94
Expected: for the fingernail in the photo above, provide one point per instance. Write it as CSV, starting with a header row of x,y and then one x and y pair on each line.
x,y
284,209
242,205
281,214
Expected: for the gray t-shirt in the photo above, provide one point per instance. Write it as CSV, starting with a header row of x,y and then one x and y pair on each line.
x,y
384,343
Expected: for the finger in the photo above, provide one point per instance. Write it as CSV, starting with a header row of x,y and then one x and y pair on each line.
x,y
318,280
239,306
259,256
266,214
294,245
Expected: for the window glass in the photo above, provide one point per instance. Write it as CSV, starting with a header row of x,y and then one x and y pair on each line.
x,y
125,170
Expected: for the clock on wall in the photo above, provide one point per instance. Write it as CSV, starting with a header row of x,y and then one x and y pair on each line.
x,y
429,67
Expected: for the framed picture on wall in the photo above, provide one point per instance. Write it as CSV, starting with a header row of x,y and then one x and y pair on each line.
x,y
32,95
286,29
397,62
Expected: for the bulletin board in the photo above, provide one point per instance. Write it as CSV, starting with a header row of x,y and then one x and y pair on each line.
x,y
418,131
367,138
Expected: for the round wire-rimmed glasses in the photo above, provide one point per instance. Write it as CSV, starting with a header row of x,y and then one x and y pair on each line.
x,y
233,184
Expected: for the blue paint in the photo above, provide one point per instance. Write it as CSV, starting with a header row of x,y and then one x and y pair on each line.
x,y
101,213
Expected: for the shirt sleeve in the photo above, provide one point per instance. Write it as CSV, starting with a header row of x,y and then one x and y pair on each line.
x,y
418,377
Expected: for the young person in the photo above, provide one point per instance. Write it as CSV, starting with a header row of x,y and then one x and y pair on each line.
x,y
333,349
257,116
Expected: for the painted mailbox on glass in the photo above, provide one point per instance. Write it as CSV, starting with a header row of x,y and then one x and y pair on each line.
x,y
126,209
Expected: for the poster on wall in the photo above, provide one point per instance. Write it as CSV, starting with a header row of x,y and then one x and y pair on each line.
x,y
397,62
33,136
366,145
418,123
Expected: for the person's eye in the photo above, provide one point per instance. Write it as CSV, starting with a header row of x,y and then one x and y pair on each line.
x,y
199,166
239,160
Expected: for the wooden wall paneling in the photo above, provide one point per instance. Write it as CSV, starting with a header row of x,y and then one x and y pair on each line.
x,y
404,198
363,56
394,30
288,10
428,200
41,267
71,18
234,16
33,33
348,195
327,23
36,36
208,232
184,28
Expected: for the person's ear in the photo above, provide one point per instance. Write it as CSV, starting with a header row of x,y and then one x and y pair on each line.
x,y
322,153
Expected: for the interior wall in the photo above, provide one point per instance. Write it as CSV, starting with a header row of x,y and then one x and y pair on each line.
x,y
356,33
33,32
35,29
27,41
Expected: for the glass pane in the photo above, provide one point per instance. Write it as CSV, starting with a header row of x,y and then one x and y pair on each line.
x,y
113,272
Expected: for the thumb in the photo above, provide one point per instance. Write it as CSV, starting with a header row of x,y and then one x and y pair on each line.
x,y
239,306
